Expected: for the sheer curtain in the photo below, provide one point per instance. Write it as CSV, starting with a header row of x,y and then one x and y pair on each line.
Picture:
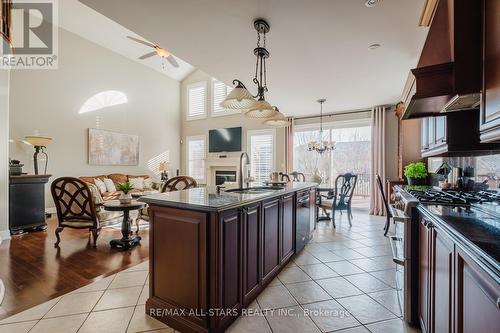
x,y
378,159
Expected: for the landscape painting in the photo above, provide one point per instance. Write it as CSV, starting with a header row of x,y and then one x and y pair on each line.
x,y
111,148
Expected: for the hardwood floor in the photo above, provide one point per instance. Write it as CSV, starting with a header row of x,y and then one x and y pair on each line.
x,y
34,271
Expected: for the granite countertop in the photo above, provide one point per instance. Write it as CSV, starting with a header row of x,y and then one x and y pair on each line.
x,y
477,229
207,199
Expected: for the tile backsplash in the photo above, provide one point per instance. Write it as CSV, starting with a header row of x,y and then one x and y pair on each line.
x,y
485,167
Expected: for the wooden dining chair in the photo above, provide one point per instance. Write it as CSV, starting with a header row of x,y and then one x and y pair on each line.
x,y
340,197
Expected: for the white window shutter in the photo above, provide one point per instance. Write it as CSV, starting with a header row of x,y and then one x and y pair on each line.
x,y
196,158
220,91
262,155
196,101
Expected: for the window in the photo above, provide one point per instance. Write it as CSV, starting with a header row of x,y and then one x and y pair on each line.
x,y
219,92
352,153
196,100
196,148
261,147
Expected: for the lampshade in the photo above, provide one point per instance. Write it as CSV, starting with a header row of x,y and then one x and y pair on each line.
x,y
279,120
38,141
238,99
261,110
164,166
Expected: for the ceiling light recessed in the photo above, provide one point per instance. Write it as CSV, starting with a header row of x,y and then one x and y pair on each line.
x,y
371,3
373,47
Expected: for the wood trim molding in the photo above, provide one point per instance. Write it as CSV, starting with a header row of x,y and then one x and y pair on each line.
x,y
428,13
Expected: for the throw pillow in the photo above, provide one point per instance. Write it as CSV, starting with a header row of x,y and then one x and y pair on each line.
x,y
100,185
148,184
137,183
110,186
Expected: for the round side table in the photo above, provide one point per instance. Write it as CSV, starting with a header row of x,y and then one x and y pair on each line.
x,y
126,242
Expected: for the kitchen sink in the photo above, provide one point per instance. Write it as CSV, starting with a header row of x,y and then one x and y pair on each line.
x,y
257,189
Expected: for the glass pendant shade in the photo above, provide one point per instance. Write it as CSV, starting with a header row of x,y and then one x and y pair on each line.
x,y
279,120
239,99
261,110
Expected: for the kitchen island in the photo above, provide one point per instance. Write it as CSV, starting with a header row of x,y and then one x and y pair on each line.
x,y
212,253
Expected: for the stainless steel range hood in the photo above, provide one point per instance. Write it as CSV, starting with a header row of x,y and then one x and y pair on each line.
x,y
462,102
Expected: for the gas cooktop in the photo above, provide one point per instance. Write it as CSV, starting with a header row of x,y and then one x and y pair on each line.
x,y
454,197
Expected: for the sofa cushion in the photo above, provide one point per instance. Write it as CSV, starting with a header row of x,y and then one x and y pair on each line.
x,y
110,186
118,178
90,179
137,183
100,185
106,196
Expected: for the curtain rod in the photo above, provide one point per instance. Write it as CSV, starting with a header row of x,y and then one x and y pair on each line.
x,y
388,106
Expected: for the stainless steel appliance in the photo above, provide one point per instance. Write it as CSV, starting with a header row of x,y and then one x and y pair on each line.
x,y
305,214
404,248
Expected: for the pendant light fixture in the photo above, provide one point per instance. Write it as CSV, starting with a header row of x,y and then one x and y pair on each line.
x,y
321,146
240,98
279,120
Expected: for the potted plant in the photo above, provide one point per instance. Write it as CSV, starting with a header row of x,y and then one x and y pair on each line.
x,y
125,197
416,173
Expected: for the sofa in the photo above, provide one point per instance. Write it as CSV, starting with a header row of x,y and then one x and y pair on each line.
x,y
117,178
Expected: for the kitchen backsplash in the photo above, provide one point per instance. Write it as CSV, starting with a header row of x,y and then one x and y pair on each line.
x,y
485,167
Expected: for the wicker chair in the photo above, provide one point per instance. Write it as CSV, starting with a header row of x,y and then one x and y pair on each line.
x,y
173,184
76,208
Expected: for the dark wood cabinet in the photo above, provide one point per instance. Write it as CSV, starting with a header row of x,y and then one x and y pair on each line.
x,y
218,259
454,134
456,292
271,258
477,297
230,225
490,93
287,227
433,135
424,255
441,282
251,218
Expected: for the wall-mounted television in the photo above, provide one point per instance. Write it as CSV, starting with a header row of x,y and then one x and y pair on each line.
x,y
224,140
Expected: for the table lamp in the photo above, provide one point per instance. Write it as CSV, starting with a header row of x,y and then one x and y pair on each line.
x,y
164,167
40,143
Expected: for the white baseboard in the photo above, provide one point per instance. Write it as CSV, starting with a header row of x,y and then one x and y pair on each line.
x,y
4,235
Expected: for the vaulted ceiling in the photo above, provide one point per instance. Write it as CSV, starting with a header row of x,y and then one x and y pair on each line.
x,y
319,48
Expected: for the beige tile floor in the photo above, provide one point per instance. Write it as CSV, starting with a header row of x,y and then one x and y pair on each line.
x,y
342,282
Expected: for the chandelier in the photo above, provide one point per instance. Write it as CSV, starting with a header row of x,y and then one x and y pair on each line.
x,y
322,145
240,98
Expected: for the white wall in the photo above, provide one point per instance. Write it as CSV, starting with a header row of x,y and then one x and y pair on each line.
x,y
202,126
4,154
48,101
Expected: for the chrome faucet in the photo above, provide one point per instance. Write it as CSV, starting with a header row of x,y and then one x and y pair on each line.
x,y
240,179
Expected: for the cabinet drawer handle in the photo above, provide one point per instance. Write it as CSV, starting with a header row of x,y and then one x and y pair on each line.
x,y
498,302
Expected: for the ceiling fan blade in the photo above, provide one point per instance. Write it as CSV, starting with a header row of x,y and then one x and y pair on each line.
x,y
148,55
141,41
172,61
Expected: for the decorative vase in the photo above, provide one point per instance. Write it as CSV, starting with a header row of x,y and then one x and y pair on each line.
x,y
125,198
416,181
316,178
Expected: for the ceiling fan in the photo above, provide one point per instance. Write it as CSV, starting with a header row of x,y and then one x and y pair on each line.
x,y
157,51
